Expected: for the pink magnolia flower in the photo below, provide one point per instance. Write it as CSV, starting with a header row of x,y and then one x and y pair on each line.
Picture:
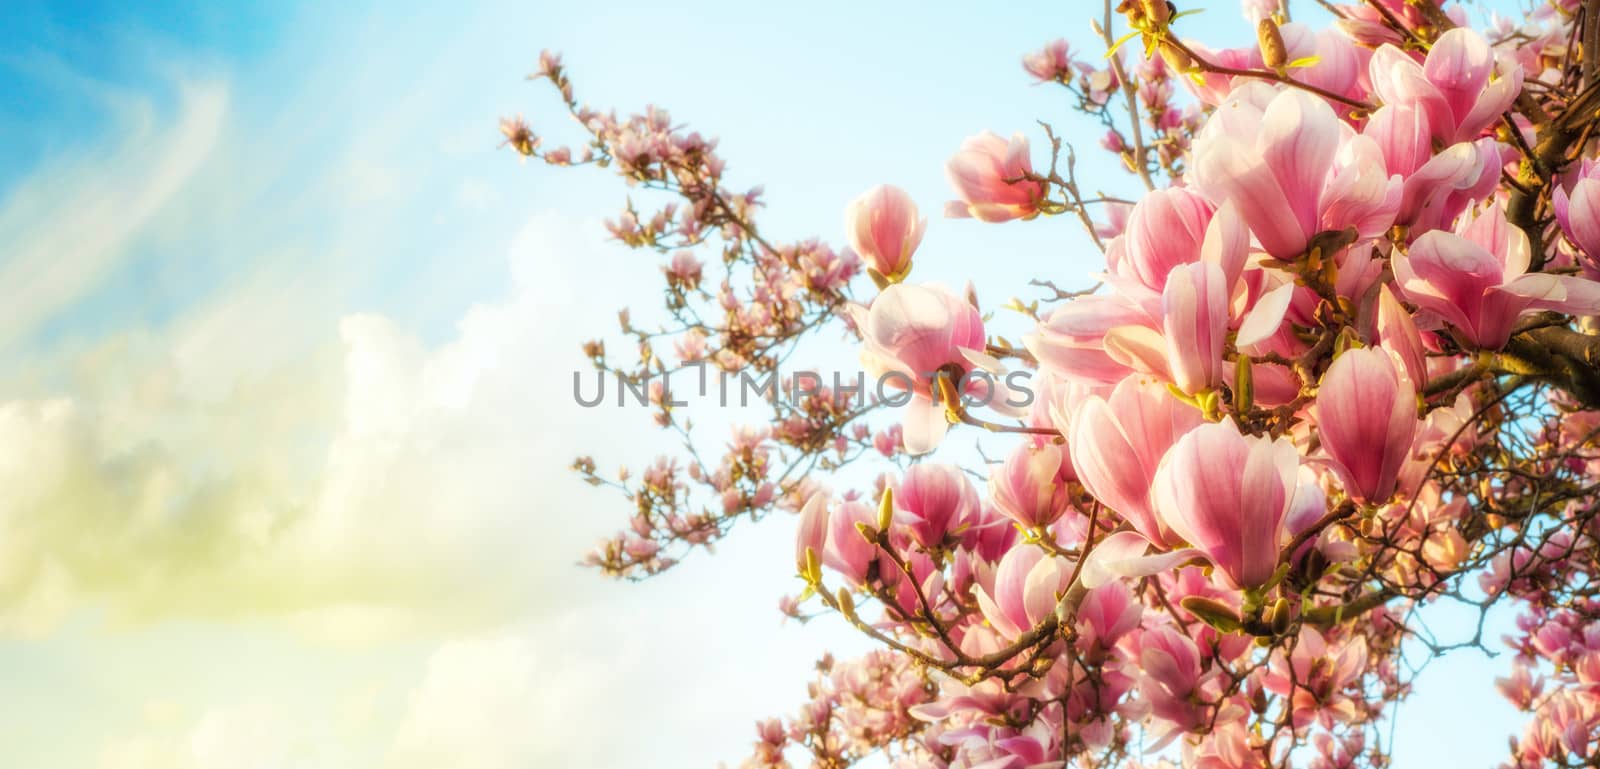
x,y
1165,230
1316,675
1125,555
813,534
1448,183
1462,86
889,440
1402,134
989,174
1330,60
1228,494
1366,414
1232,745
1107,613
988,534
1213,88
884,229
1169,672
910,333
684,269
1031,487
1579,211
1195,325
1116,219
1053,62
1026,587
1071,342
931,500
846,551
1293,168
1396,332
1476,280
1175,229
1117,446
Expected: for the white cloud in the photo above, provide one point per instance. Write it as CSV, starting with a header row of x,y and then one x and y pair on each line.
x,y
279,454
257,735
508,699
480,706
368,484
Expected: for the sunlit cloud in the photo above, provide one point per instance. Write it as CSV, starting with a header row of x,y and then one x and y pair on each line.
x,y
376,478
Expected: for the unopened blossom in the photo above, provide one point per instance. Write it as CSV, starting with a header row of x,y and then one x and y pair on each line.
x,y
813,535
1366,418
992,177
1396,332
847,551
884,229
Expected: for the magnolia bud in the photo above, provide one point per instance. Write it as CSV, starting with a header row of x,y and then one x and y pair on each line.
x,y
1212,612
813,567
1313,565
867,532
1157,12
1176,58
1273,52
1244,391
847,603
886,509
1279,617
518,135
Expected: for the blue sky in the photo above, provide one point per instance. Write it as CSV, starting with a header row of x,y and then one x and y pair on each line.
x,y
287,358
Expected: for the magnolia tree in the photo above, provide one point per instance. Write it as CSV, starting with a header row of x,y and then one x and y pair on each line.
x,y
1340,365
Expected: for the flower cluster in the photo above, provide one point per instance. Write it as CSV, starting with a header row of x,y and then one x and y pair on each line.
x,y
1339,365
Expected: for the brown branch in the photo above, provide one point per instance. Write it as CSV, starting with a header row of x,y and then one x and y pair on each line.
x,y
1263,74
1566,358
1591,41
1548,158
1129,91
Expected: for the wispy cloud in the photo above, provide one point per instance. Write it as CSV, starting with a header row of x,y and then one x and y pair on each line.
x,y
66,227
